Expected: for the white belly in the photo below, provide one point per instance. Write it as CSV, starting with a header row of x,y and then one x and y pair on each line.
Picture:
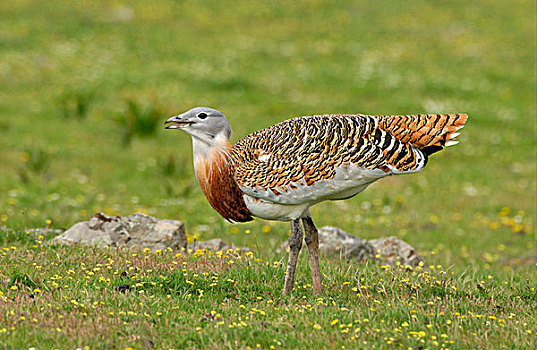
x,y
271,211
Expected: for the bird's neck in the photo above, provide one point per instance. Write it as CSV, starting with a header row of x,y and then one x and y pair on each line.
x,y
214,172
211,161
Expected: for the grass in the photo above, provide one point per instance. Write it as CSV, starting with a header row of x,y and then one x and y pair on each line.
x,y
84,83
120,299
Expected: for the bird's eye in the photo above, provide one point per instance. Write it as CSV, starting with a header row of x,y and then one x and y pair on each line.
x,y
202,115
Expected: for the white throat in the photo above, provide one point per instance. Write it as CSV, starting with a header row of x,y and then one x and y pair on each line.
x,y
204,147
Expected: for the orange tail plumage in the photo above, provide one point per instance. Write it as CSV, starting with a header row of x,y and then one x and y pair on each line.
x,y
428,132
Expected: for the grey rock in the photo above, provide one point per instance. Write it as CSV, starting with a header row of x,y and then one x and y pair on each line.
x,y
136,230
392,249
82,234
335,242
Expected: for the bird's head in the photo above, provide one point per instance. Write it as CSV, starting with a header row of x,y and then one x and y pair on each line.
x,y
205,124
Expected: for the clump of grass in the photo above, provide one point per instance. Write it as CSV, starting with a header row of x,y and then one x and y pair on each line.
x,y
173,166
168,166
36,162
4,125
139,119
174,169
18,278
76,103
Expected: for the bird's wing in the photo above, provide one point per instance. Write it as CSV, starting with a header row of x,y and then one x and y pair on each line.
x,y
333,156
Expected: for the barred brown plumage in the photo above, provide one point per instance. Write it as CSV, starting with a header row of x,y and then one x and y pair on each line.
x,y
279,172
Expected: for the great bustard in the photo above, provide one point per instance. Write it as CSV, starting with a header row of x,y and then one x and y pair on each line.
x,y
279,172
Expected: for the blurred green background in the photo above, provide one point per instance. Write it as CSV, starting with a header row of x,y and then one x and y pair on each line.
x,y
86,85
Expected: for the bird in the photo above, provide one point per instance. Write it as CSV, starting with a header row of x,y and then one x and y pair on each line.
x,y
279,172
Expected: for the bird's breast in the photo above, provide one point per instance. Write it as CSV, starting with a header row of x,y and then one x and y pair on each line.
x,y
215,176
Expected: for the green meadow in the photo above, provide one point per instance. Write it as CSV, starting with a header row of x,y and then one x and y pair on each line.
x,y
85,87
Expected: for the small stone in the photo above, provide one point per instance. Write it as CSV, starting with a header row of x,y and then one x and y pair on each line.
x,y
123,288
148,344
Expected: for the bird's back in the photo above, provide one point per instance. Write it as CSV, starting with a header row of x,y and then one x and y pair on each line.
x,y
322,157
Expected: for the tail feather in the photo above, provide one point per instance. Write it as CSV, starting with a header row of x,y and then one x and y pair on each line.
x,y
428,132
431,149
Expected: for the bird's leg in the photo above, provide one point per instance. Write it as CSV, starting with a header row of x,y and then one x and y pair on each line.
x,y
295,243
312,240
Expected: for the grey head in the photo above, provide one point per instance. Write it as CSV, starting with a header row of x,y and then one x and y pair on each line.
x,y
202,123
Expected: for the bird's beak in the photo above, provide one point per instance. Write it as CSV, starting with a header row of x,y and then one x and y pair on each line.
x,y
177,122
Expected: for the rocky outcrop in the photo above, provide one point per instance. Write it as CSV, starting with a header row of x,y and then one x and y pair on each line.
x,y
136,230
143,231
338,243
